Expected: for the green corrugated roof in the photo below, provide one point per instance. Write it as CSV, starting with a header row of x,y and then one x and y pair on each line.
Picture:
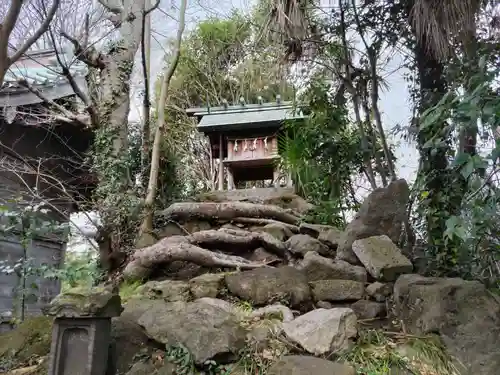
x,y
43,71
247,119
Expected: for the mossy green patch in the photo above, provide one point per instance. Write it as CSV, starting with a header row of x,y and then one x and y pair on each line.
x,y
29,340
129,290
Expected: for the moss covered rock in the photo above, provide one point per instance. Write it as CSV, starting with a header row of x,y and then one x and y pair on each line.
x,y
30,340
99,301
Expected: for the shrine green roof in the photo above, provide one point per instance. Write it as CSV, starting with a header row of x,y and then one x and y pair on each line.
x,y
269,115
40,70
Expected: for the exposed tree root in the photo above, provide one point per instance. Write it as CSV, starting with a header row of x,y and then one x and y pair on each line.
x,y
228,211
251,240
178,248
256,221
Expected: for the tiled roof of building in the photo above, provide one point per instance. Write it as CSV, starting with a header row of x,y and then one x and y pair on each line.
x,y
41,69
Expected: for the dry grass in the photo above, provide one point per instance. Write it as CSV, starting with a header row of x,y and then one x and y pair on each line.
x,y
287,19
377,353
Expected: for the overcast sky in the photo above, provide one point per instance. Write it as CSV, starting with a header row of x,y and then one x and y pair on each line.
x,y
394,102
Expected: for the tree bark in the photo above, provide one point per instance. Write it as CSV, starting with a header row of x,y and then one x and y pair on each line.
x,y
116,75
227,211
373,136
147,223
256,221
110,154
239,241
146,103
178,248
444,191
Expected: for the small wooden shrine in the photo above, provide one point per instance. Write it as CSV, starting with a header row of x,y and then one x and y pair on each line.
x,y
244,141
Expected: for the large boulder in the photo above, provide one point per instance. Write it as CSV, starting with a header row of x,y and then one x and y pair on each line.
x,y
464,313
129,338
323,331
382,212
305,365
267,285
148,368
379,291
331,237
381,258
316,267
314,230
301,244
168,290
365,309
207,327
337,290
130,341
136,306
207,285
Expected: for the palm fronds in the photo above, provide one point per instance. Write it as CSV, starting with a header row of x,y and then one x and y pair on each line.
x,y
437,21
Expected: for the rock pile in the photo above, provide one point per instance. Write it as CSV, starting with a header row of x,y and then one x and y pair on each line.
x,y
281,263
257,276
332,280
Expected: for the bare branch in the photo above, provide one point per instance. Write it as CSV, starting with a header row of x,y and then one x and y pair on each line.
x,y
78,91
41,30
20,167
147,223
86,31
110,8
84,120
10,19
156,5
5,30
88,56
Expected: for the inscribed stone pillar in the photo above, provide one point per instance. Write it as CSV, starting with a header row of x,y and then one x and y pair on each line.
x,y
81,335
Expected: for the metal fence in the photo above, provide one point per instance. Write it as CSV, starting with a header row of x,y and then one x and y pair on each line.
x,y
37,291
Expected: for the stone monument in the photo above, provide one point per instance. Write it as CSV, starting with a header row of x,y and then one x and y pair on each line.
x,y
81,336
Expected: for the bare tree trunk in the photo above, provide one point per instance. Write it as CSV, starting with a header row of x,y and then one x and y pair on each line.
x,y
371,133
374,94
147,223
355,98
6,27
115,77
368,165
146,70
378,160
110,156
